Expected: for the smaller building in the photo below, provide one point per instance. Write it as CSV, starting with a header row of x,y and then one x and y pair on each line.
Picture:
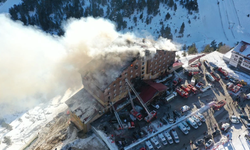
x,y
240,57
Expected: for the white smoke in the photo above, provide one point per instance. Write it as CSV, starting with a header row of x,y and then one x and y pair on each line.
x,y
35,65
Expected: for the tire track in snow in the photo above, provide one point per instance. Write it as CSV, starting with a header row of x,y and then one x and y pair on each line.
x,y
236,13
228,20
221,20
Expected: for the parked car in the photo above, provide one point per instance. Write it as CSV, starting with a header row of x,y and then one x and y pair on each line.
x,y
186,125
248,126
201,117
192,123
175,136
205,88
162,138
196,120
235,119
171,96
176,113
155,142
182,128
168,136
164,120
243,116
149,145
210,77
225,127
216,132
207,137
199,142
209,143
185,108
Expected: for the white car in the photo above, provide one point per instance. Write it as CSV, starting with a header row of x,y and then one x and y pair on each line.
x,y
201,117
149,145
209,143
197,120
182,128
185,108
171,96
168,136
186,125
163,139
248,96
175,135
203,89
210,77
155,142
235,119
192,123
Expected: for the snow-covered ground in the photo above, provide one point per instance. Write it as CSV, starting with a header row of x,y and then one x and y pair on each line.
x,y
234,142
27,125
225,22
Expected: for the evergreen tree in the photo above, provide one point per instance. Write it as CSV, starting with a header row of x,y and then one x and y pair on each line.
x,y
192,49
182,28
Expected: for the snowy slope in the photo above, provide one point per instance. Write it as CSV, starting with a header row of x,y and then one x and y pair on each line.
x,y
226,22
4,7
221,20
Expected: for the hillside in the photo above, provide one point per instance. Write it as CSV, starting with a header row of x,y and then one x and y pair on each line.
x,y
184,21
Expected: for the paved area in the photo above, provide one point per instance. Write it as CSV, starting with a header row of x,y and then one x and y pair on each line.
x,y
213,118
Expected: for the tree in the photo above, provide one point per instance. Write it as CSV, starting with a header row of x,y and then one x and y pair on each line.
x,y
7,140
175,7
184,47
6,125
182,28
171,3
192,49
213,44
184,54
177,56
167,16
208,49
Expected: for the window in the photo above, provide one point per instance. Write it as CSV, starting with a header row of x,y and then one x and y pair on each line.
x,y
120,82
108,93
109,98
142,72
235,59
142,77
164,58
131,76
236,56
131,71
114,85
114,95
109,88
114,90
142,63
142,68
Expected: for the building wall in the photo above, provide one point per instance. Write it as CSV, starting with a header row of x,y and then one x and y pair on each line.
x,y
234,59
143,68
159,64
118,89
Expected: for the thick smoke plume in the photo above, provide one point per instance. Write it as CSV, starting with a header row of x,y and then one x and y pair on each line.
x,y
37,66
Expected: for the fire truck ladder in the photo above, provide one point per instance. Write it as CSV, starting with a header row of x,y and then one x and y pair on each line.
x,y
150,114
117,116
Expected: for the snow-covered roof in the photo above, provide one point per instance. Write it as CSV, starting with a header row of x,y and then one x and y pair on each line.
x,y
243,48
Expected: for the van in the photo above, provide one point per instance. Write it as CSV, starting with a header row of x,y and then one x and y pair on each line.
x,y
203,89
149,145
182,128
171,96
163,139
155,142
210,77
192,123
168,136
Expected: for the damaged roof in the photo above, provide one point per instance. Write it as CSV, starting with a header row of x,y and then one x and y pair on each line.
x,y
103,70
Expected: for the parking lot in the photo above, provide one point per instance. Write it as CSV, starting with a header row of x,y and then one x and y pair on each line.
x,y
144,130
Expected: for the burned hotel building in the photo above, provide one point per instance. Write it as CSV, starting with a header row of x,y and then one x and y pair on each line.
x,y
104,78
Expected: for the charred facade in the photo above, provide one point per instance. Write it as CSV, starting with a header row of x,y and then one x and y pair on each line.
x,y
105,79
